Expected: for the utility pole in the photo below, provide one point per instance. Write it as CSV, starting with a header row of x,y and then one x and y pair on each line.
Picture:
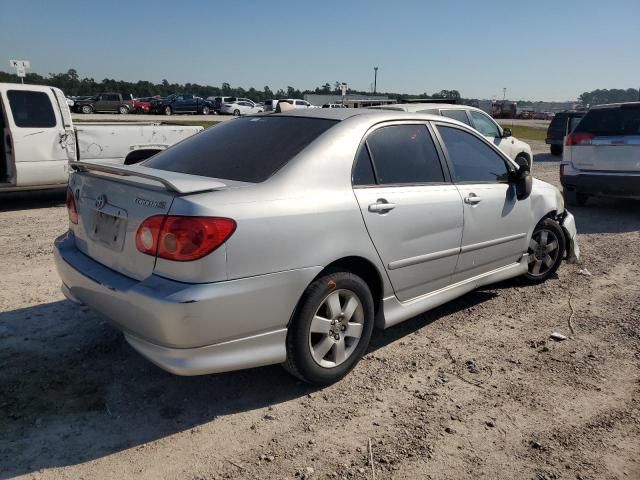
x,y
375,79
504,94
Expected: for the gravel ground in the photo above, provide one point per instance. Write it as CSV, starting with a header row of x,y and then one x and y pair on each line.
x,y
474,389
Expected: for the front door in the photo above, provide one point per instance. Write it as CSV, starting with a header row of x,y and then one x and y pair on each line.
x,y
412,211
37,145
496,223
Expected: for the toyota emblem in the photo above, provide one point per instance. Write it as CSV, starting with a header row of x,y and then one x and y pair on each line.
x,y
101,201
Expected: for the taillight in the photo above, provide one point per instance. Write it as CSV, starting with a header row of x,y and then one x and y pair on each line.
x,y
71,207
181,238
579,138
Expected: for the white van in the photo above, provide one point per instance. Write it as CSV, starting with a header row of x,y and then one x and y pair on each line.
x,y
39,138
601,157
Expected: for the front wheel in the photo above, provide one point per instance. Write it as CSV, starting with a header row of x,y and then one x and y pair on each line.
x,y
236,113
167,110
546,251
123,110
205,111
331,328
87,109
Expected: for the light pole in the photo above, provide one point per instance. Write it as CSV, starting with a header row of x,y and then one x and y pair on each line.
x,y
375,79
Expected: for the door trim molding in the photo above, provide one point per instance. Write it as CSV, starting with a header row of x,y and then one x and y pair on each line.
x,y
407,262
491,243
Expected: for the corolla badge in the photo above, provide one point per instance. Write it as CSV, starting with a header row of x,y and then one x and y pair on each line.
x,y
101,201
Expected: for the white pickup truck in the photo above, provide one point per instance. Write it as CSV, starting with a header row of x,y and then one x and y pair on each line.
x,y
39,138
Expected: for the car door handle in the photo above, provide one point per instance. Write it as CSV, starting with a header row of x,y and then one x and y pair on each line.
x,y
381,206
472,199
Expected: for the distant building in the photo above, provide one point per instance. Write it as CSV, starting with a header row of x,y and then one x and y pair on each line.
x,y
350,101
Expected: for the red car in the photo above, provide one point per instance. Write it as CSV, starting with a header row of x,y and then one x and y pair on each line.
x,y
142,105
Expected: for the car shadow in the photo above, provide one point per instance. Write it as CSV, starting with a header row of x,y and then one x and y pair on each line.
x,y
73,390
607,215
13,201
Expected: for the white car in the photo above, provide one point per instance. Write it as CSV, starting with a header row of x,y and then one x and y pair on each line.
x,y
601,157
474,117
241,106
299,103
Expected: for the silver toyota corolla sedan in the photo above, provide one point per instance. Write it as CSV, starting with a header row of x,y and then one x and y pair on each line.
x,y
287,238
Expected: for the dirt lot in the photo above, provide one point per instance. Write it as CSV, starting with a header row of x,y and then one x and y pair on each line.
x,y
475,389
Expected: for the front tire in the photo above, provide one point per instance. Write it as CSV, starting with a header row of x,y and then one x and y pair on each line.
x,y
236,113
331,328
167,110
205,111
123,110
87,109
546,251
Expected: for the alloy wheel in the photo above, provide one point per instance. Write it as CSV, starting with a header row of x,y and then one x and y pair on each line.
x,y
544,248
336,328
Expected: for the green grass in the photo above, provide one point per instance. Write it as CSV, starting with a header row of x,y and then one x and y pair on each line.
x,y
526,132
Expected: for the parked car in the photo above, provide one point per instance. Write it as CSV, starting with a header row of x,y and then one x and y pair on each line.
x,y
104,102
228,258
40,138
525,114
270,105
602,155
240,106
181,103
299,103
218,101
476,118
142,105
562,124
543,116
333,105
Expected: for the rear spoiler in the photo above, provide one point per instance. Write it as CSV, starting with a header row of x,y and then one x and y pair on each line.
x,y
172,181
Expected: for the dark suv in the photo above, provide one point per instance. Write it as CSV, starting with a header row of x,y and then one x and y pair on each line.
x,y
105,102
561,125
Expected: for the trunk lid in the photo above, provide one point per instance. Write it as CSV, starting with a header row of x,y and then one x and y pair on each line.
x,y
112,202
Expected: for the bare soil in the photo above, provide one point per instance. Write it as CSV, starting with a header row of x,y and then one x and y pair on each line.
x,y
474,389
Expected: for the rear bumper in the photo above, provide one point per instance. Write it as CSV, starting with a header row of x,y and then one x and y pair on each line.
x,y
188,329
603,184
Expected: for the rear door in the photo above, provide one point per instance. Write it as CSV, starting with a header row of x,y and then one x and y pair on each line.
x,y
608,139
37,145
496,223
411,209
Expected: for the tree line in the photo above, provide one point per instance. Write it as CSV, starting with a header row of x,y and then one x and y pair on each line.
x,y
72,85
614,95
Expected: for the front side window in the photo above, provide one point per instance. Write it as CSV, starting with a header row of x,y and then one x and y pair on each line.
x,y
31,109
484,124
473,160
405,154
459,115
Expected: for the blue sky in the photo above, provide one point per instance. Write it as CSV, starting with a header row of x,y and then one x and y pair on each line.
x,y
548,50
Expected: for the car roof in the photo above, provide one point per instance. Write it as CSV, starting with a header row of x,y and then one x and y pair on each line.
x,y
616,105
417,107
364,113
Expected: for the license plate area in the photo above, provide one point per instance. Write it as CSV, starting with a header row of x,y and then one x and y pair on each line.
x,y
110,227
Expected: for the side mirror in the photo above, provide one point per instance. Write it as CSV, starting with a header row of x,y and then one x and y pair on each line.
x,y
506,132
522,180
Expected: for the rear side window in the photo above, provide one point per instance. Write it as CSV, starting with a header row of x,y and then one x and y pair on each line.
x,y
484,124
31,109
472,159
246,149
363,171
404,154
459,115
623,120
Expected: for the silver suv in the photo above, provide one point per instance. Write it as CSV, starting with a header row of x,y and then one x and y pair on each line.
x,y
602,155
212,256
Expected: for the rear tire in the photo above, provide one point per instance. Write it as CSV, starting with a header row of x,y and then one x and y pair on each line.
x,y
546,251
556,150
167,110
236,113
319,351
573,198
205,111
123,110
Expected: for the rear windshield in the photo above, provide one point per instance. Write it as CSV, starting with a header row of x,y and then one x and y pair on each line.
x,y
246,149
623,120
